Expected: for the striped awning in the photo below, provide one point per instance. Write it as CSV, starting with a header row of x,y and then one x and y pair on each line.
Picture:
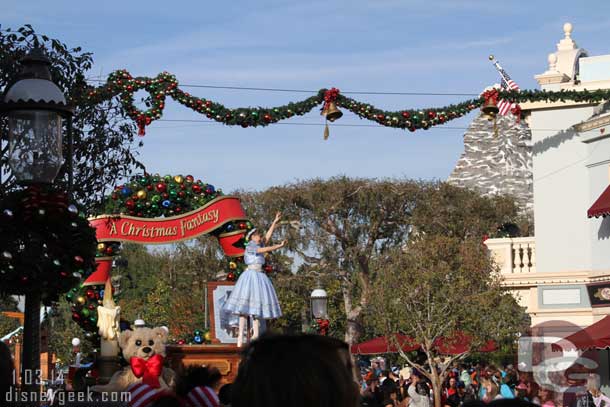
x,y
601,207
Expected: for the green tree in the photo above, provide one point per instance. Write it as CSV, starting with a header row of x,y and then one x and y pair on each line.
x,y
7,324
344,224
61,330
294,290
443,288
167,286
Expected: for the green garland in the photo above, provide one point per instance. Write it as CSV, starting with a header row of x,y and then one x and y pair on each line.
x,y
122,84
46,243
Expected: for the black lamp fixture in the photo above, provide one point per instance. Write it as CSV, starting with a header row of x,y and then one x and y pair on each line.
x,y
35,107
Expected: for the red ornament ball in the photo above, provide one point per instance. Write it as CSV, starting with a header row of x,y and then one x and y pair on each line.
x,y
267,117
231,276
130,204
380,117
406,115
431,114
90,294
109,250
242,225
161,187
196,189
149,187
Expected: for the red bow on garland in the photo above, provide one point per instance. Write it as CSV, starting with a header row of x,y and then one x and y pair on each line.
x,y
142,122
330,96
322,325
516,110
491,95
149,370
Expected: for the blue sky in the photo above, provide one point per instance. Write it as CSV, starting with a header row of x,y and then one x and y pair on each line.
x,y
376,45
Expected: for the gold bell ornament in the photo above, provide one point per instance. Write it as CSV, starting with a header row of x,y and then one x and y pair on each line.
x,y
331,112
490,108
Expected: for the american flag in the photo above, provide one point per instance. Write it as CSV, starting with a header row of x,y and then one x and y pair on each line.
x,y
507,83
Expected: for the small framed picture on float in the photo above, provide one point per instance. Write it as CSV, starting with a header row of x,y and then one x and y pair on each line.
x,y
223,325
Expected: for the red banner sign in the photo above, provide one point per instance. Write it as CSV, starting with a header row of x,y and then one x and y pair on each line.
x,y
121,228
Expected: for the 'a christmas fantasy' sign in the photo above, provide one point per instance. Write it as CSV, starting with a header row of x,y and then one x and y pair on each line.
x,y
203,220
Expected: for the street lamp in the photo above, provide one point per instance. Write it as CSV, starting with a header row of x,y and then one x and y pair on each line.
x,y
35,108
319,303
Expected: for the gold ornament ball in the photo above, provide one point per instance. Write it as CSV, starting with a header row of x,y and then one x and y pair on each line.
x,y
178,179
101,247
207,336
232,265
80,300
141,194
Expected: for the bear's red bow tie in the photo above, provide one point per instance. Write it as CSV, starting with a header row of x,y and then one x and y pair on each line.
x,y
149,370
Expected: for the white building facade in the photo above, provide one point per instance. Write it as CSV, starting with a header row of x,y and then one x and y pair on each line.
x,y
562,273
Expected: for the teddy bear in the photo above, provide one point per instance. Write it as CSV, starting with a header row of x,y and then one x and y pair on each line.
x,y
144,349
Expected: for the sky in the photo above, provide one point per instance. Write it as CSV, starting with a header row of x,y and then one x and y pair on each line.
x,y
375,45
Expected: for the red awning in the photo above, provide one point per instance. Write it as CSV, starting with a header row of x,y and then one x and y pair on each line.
x,y
601,207
595,336
456,345
383,345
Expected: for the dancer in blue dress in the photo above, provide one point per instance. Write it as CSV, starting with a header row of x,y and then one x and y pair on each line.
x,y
253,294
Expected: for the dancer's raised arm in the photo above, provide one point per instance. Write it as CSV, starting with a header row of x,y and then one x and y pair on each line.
x,y
269,233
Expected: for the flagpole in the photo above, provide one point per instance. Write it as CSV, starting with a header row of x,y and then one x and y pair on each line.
x,y
500,70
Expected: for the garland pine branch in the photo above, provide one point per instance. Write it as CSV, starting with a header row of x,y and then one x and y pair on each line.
x,y
123,85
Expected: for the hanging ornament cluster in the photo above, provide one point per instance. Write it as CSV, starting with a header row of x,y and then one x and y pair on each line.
x,y
46,243
105,249
150,196
84,301
122,84
199,337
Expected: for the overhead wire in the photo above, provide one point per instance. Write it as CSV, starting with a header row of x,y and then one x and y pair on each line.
x,y
249,88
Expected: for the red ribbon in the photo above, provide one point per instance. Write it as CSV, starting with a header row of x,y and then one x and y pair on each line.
x,y
491,95
330,96
141,121
516,110
149,370
323,325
